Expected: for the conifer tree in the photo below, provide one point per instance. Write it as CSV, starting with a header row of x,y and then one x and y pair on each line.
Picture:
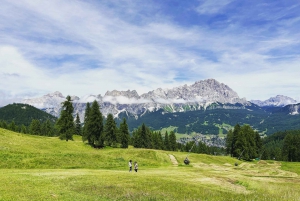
x,y
166,141
23,129
124,134
65,122
236,133
12,126
143,137
172,141
94,126
155,140
48,128
136,138
110,131
85,134
288,149
78,125
229,143
35,127
160,141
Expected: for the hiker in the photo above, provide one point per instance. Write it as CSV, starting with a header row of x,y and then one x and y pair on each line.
x,y
135,166
130,165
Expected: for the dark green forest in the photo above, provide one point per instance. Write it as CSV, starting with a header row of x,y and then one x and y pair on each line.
x,y
23,114
211,120
282,146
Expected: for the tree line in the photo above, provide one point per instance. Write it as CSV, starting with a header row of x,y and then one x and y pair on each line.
x,y
36,127
282,146
243,142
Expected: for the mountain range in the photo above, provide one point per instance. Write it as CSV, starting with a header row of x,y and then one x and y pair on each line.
x,y
194,97
203,98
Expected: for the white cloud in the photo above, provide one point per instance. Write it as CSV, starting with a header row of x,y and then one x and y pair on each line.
x,y
79,48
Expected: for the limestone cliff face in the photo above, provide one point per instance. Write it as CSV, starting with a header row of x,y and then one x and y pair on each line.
x,y
178,99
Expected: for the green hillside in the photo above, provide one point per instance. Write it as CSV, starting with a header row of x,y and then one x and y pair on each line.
x,y
218,120
46,168
23,114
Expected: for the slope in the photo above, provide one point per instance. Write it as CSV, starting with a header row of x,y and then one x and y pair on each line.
x,y
42,168
23,114
218,118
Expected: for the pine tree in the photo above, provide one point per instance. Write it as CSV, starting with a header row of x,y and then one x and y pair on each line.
x,y
236,133
12,126
155,140
172,141
65,123
143,137
160,141
258,143
136,138
78,126
110,131
85,134
166,141
124,134
23,129
288,148
35,127
94,126
229,143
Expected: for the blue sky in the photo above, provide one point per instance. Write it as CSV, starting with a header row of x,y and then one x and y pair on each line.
x,y
89,47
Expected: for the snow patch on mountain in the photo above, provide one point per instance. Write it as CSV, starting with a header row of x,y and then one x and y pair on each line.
x,y
178,99
277,101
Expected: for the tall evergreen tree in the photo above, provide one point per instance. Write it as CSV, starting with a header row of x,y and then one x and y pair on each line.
x,y
78,125
172,141
160,141
85,134
124,134
110,130
35,127
65,123
288,149
94,126
144,137
166,141
237,141
155,140
229,143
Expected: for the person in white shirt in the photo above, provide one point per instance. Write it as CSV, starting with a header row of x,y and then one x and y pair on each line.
x,y
130,165
136,166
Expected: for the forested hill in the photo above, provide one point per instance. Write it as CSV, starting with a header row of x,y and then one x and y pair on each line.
x,y
23,114
283,145
218,119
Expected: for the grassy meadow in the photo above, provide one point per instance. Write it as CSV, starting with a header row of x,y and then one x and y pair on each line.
x,y
45,168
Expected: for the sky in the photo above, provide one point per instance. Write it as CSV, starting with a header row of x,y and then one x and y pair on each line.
x,y
92,46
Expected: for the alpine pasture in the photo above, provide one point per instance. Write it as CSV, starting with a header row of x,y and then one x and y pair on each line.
x,y
46,168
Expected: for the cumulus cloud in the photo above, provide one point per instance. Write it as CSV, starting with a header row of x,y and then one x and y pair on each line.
x,y
124,100
86,47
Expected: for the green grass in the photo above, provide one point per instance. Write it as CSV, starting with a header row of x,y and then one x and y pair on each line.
x,y
168,129
43,168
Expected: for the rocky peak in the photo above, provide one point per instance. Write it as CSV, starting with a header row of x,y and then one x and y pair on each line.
x,y
277,101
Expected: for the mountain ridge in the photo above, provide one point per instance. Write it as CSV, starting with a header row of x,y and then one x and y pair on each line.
x,y
277,101
177,99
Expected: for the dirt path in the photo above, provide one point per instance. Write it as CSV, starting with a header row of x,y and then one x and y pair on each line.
x,y
173,159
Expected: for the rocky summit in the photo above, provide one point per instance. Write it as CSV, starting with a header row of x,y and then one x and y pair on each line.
x,y
178,99
277,101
